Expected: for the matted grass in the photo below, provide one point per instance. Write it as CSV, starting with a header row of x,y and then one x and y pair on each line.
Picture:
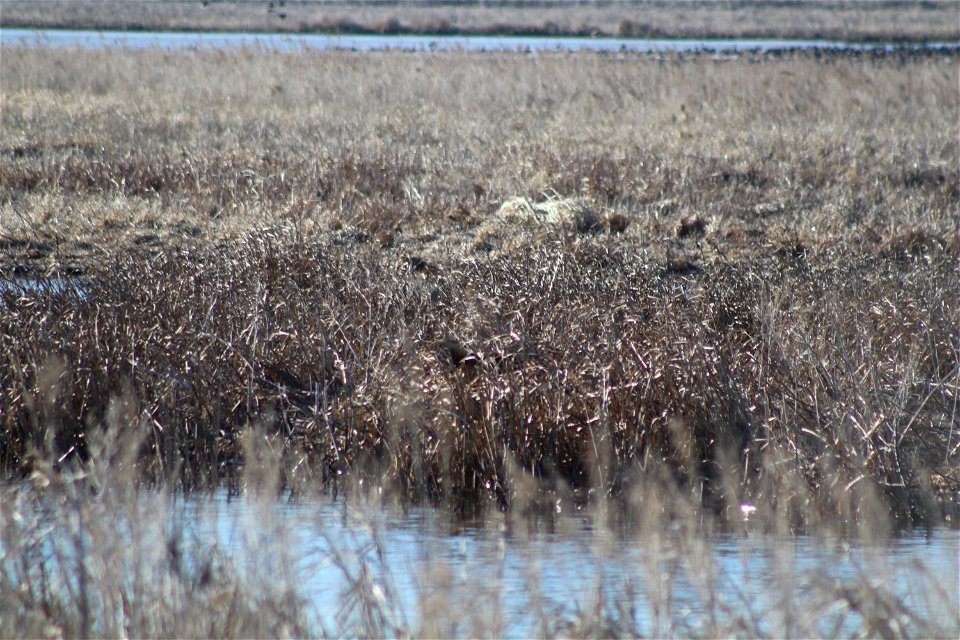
x,y
421,150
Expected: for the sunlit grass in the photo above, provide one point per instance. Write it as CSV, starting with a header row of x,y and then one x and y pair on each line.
x,y
737,270
661,291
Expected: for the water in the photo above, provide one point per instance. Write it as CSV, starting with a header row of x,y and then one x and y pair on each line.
x,y
568,559
13,290
287,42
511,574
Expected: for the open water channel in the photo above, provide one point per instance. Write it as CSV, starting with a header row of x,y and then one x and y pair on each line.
x,y
512,575
518,566
287,42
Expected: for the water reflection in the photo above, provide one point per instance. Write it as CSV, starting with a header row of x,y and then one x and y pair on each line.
x,y
525,573
13,290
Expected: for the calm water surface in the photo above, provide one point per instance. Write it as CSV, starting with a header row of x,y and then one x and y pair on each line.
x,y
675,585
567,557
173,40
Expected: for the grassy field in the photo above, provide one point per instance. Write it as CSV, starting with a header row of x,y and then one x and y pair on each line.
x,y
891,20
660,286
445,271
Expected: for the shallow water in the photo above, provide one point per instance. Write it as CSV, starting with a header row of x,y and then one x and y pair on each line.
x,y
286,42
515,574
19,287
567,559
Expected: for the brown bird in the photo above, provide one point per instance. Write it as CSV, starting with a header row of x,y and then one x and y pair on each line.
x,y
457,354
466,362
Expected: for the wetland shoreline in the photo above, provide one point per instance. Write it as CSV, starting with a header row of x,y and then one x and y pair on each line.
x,y
891,21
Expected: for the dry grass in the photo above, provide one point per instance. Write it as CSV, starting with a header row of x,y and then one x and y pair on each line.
x,y
657,287
102,148
744,271
838,20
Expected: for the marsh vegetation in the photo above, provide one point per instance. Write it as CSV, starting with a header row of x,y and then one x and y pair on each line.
x,y
660,287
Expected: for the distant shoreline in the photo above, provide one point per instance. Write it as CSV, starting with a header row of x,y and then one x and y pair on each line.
x,y
852,22
437,43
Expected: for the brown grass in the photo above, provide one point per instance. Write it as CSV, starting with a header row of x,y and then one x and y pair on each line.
x,y
742,271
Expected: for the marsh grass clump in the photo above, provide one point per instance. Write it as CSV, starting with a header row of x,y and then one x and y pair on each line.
x,y
736,270
576,364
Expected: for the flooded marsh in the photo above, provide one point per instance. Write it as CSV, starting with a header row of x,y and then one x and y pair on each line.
x,y
564,345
